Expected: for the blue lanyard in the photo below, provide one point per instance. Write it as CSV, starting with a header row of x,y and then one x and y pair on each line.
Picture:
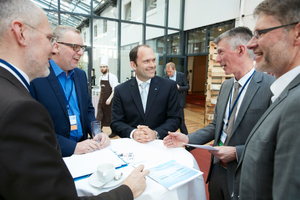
x,y
67,100
20,76
230,110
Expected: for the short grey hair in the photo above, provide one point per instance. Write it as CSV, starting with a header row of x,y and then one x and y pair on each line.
x,y
237,36
60,30
285,11
22,10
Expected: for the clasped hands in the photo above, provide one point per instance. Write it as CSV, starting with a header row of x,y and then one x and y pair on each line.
x,y
144,134
90,145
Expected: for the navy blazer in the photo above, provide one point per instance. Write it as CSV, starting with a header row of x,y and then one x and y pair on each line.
x,y
48,92
162,109
183,87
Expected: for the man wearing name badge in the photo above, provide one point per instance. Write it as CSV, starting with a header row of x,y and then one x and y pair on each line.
x,y
107,84
146,107
241,102
31,166
64,93
182,86
269,167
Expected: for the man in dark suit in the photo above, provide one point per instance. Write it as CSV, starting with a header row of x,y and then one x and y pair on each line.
x,y
145,108
64,93
269,167
31,163
249,101
182,86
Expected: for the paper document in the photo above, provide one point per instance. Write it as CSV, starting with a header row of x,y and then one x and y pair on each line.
x,y
172,174
85,164
207,147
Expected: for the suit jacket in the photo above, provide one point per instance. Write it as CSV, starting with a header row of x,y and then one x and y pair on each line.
x,y
255,103
48,92
162,109
31,166
269,167
183,87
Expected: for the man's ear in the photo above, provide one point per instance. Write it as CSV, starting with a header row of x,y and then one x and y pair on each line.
x,y
297,34
55,48
241,49
133,65
20,34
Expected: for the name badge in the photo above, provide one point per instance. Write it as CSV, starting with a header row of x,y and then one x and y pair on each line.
x,y
222,139
73,122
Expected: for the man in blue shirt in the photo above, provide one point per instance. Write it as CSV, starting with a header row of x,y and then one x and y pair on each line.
x,y
65,95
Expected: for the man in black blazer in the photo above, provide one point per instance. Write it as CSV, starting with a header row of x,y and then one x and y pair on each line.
x,y
182,86
254,99
31,166
64,93
160,112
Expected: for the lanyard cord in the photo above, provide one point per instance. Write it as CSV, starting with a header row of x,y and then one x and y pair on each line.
x,y
230,110
20,76
67,100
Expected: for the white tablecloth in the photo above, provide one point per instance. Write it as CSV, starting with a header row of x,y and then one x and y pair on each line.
x,y
155,150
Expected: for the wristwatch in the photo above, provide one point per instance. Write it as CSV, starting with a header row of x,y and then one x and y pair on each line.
x,y
157,135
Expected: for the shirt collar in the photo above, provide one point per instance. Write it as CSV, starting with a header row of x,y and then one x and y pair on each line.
x,y
282,82
244,79
58,71
139,82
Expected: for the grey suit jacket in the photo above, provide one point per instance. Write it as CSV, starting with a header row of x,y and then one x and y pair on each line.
x,y
255,103
270,165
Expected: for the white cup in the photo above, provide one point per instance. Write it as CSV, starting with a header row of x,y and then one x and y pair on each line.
x,y
106,172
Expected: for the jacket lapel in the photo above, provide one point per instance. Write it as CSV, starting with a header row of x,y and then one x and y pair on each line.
x,y
57,90
153,90
78,90
135,94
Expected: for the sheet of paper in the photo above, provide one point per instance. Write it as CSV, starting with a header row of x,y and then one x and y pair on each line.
x,y
84,164
172,174
207,147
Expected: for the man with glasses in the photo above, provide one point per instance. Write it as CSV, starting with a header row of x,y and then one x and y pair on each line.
x,y
65,95
31,166
269,167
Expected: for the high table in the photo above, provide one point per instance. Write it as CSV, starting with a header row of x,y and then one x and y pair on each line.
x,y
154,150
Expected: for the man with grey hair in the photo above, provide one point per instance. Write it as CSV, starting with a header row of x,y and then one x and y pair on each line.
x,y
241,102
64,93
269,167
31,166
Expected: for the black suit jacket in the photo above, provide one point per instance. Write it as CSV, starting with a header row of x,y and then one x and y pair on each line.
x,y
31,166
162,109
48,92
183,87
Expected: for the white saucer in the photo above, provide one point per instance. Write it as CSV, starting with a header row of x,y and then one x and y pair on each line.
x,y
93,181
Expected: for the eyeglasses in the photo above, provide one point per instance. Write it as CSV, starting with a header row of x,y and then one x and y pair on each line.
x,y
257,33
51,38
76,47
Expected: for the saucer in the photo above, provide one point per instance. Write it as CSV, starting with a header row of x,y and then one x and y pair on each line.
x,y
93,181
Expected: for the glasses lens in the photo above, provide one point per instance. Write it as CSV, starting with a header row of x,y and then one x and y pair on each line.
x,y
83,48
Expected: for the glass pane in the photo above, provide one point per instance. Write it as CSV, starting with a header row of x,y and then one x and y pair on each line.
x,y
173,47
132,10
82,7
174,13
197,41
47,4
179,64
156,12
131,36
218,30
53,18
84,27
105,43
155,39
106,8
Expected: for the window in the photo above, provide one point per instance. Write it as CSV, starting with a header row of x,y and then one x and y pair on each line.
x,y
104,26
151,5
84,37
95,31
128,11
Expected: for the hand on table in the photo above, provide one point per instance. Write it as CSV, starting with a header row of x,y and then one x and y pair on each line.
x,y
225,154
104,142
86,146
136,181
175,139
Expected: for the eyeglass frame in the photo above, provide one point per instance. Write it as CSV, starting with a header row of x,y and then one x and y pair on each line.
x,y
259,32
83,47
52,40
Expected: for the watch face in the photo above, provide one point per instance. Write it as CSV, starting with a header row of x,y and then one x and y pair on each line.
x,y
157,135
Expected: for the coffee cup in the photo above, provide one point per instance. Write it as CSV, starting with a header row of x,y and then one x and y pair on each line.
x,y
106,172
